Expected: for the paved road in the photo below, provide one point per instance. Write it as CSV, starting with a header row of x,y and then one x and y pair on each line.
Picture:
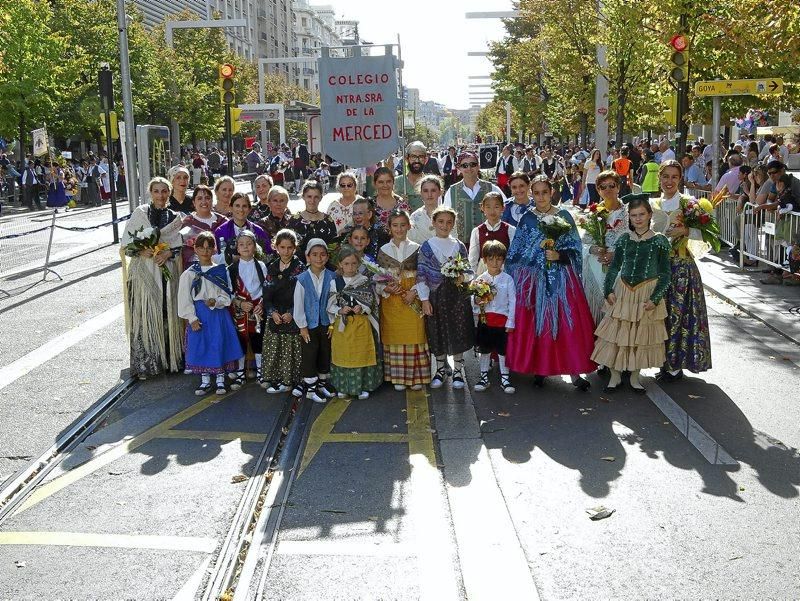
x,y
486,497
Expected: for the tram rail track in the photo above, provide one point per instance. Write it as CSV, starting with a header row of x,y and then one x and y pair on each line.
x,y
25,481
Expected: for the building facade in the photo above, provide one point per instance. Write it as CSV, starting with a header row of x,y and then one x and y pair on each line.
x,y
314,27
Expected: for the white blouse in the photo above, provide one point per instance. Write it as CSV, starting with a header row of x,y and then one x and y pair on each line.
x,y
207,291
248,274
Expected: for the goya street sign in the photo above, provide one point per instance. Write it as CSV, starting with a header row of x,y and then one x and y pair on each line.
x,y
739,87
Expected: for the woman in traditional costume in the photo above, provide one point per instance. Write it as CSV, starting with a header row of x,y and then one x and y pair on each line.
x,y
689,343
154,330
406,358
631,335
554,331
356,368
202,219
596,259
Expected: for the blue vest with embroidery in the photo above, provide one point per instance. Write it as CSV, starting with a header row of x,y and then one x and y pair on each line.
x,y
316,308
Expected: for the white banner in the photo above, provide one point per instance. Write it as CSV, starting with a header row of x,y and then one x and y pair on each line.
x,y
40,142
358,98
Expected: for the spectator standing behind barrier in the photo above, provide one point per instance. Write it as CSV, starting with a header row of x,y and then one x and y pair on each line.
x,y
155,332
694,178
730,178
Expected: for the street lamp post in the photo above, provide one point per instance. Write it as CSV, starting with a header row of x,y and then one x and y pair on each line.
x,y
131,181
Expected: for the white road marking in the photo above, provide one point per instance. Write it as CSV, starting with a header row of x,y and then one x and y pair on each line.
x,y
694,433
25,364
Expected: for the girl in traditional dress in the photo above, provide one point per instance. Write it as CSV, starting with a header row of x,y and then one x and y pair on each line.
x,y
204,293
311,315
447,308
689,343
554,332
386,200
356,365
340,210
280,363
202,219
520,184
631,335
406,358
596,258
311,222
247,276
154,330
430,190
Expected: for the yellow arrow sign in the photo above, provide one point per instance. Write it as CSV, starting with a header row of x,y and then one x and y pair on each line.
x,y
739,87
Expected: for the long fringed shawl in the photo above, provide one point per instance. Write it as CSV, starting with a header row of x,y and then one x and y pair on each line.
x,y
143,308
544,290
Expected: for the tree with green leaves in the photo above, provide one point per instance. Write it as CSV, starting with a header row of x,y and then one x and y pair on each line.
x,y
31,74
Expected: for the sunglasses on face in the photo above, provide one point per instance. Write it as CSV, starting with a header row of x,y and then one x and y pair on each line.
x,y
468,165
347,185
606,186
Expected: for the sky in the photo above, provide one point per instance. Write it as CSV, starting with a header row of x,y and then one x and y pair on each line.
x,y
435,37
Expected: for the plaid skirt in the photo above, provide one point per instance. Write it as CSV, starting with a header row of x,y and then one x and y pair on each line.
x,y
407,364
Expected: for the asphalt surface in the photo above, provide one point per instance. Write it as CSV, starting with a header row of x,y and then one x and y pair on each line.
x,y
485,498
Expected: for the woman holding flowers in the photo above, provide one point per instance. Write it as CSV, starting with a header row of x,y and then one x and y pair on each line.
x,y
691,228
606,221
554,330
443,268
151,248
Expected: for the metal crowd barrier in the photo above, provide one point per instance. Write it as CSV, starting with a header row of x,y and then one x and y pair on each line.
x,y
763,236
26,245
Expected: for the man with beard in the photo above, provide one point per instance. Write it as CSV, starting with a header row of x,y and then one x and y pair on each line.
x,y
406,184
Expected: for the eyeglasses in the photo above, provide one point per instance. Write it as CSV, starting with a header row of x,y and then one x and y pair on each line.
x,y
418,157
347,185
468,165
773,172
606,186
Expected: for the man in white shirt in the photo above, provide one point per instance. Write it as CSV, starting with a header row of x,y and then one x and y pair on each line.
x,y
667,154
465,196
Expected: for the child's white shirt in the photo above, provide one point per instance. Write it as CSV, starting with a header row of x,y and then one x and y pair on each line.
x,y
207,291
505,300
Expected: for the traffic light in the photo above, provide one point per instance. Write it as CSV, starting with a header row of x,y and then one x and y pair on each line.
x,y
671,112
236,125
679,59
227,91
114,128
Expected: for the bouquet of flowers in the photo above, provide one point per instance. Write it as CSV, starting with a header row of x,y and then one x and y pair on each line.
x,y
595,223
148,238
699,214
381,275
553,227
483,292
455,267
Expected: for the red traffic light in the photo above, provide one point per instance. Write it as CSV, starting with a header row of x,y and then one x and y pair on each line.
x,y
679,42
226,70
